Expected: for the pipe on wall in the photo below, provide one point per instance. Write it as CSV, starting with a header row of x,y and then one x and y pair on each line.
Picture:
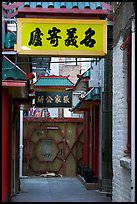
x,y
21,143
133,114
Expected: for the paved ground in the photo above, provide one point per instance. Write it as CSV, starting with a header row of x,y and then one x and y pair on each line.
x,y
57,189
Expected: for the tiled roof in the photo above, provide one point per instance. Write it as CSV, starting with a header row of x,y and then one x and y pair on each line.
x,y
92,95
80,5
53,81
10,40
10,71
11,9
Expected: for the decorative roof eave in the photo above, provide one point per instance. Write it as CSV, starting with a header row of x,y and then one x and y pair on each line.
x,y
69,84
28,76
69,88
18,86
12,6
83,78
85,105
98,13
18,4
91,99
101,9
92,94
6,58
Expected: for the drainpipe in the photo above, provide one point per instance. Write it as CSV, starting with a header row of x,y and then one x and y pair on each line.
x,y
21,143
133,114
102,64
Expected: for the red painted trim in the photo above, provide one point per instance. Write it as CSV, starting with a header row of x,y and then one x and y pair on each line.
x,y
110,17
27,154
73,11
87,115
85,79
5,160
12,6
11,83
10,146
76,145
36,119
81,109
52,87
10,31
107,6
95,141
79,76
90,103
53,76
126,43
11,15
67,16
84,142
56,12
30,76
6,50
86,139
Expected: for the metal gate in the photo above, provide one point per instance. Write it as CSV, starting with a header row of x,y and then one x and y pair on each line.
x,y
52,145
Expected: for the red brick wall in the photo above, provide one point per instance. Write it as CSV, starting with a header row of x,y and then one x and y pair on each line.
x,y
71,70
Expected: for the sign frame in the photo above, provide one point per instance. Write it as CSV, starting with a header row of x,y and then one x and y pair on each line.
x,y
85,51
53,99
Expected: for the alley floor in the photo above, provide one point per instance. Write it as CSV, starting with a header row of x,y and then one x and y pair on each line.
x,y
57,189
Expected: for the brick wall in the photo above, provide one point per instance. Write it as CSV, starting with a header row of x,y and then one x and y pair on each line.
x,y
121,176
121,184
70,70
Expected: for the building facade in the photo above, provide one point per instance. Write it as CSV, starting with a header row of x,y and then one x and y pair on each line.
x,y
123,129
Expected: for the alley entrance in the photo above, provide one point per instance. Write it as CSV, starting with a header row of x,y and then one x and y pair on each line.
x,y
52,145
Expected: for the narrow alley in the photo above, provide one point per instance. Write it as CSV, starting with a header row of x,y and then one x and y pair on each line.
x,y
57,189
68,101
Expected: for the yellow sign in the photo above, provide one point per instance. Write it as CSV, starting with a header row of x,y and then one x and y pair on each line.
x,y
62,37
